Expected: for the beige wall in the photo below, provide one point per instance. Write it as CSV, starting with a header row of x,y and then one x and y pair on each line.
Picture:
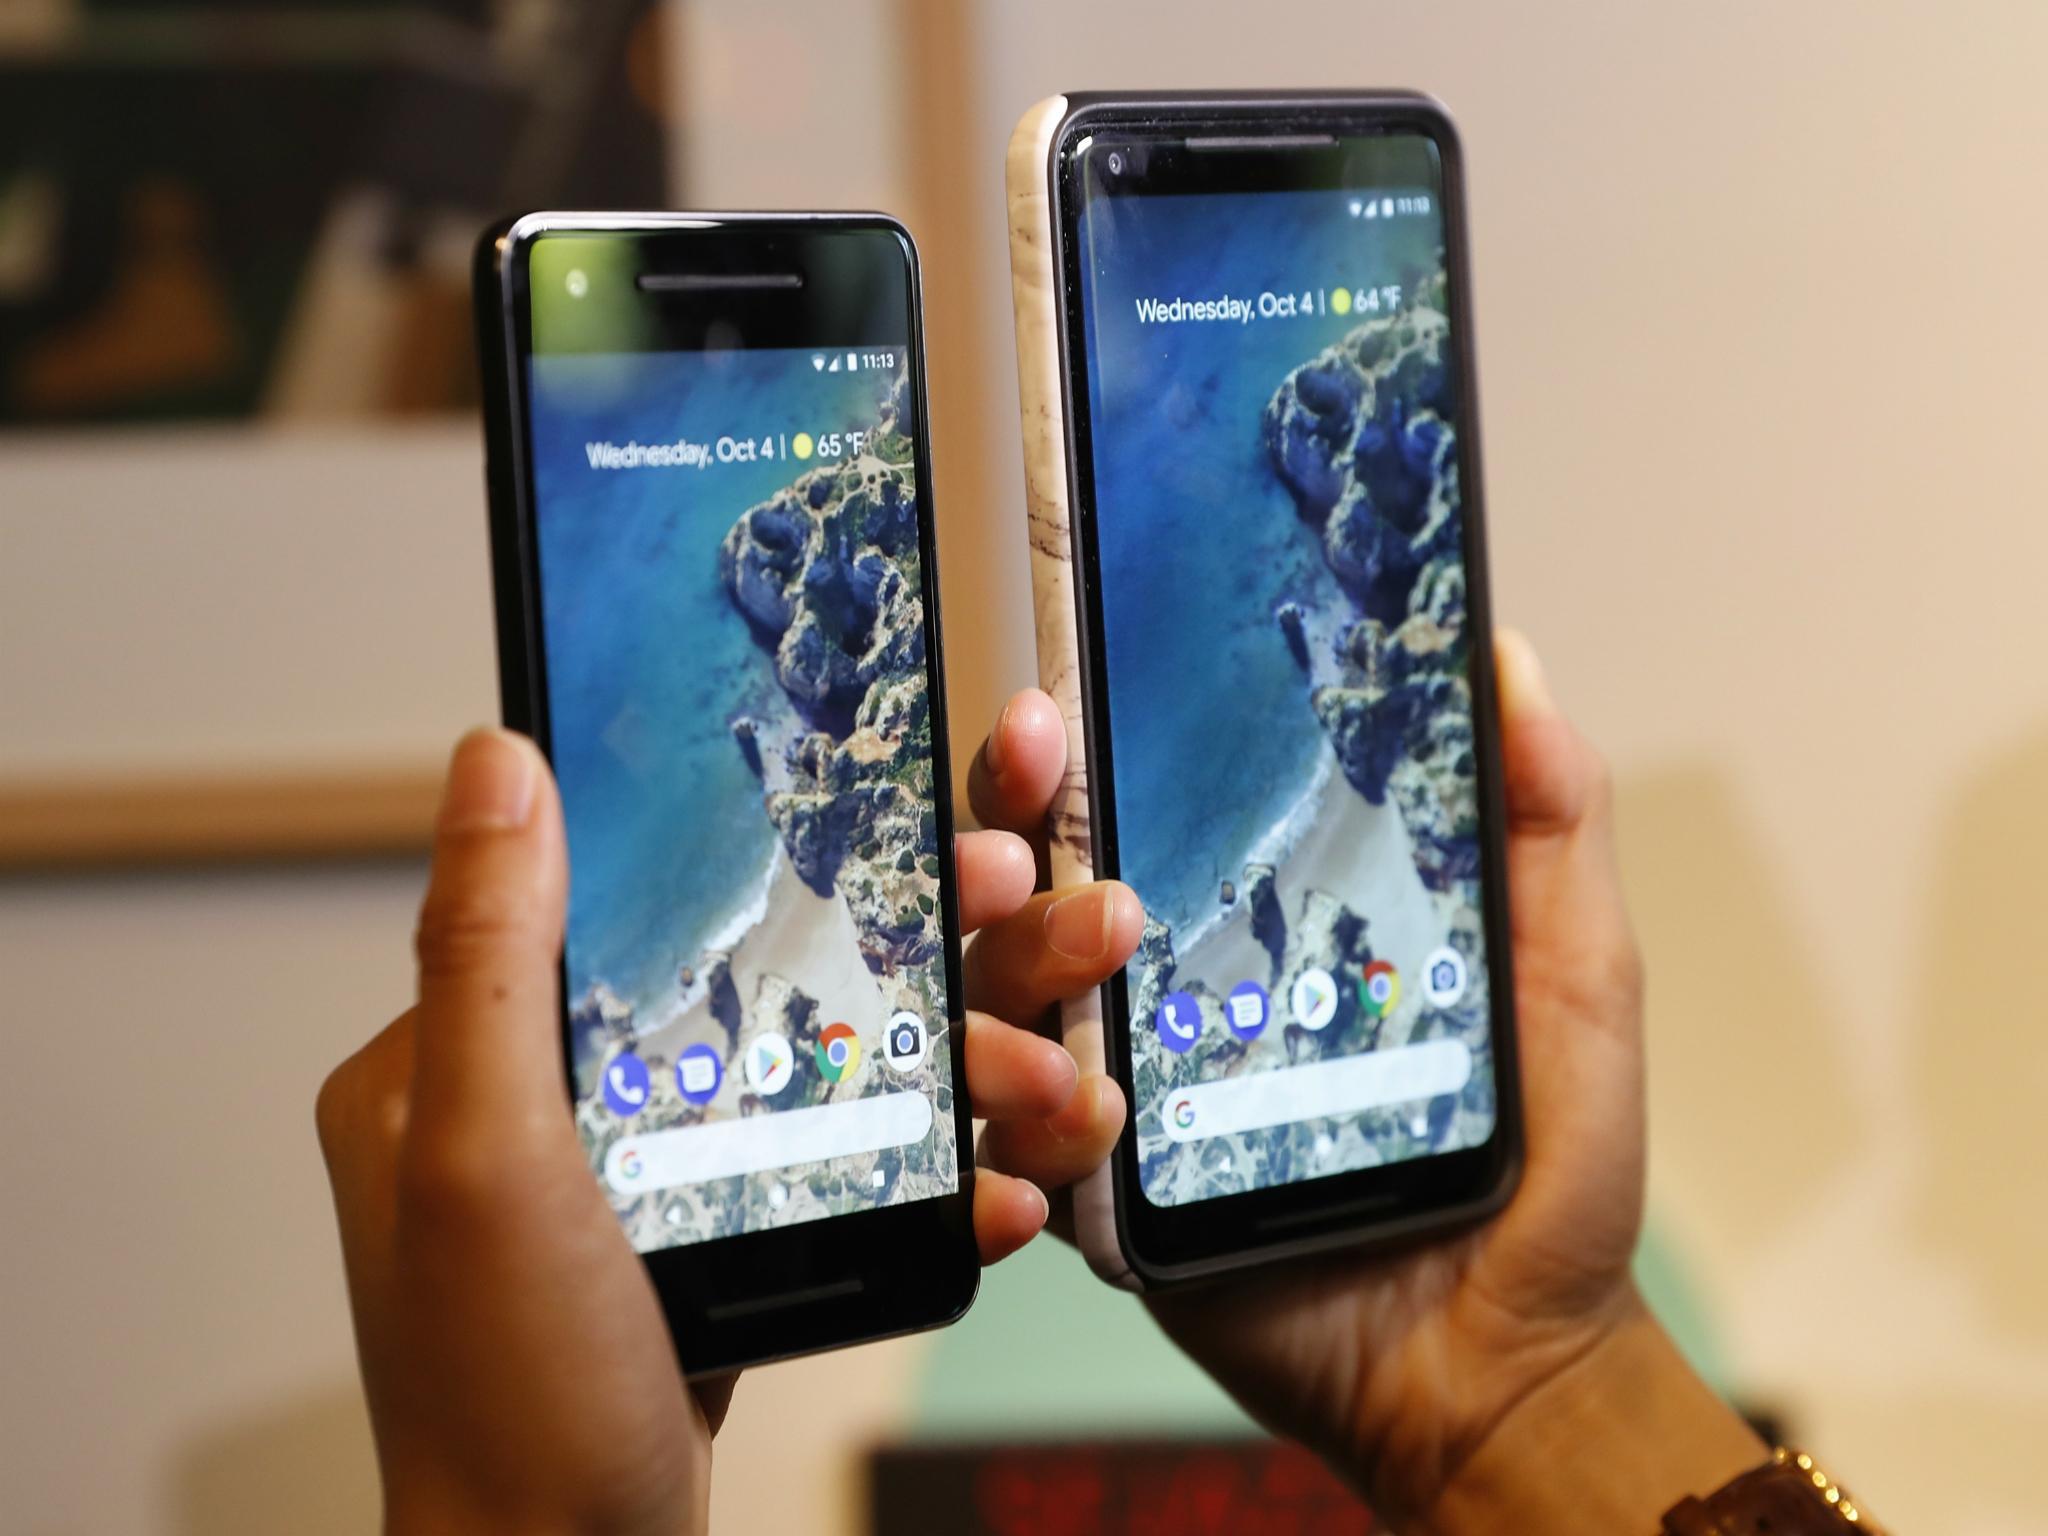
x,y
1761,329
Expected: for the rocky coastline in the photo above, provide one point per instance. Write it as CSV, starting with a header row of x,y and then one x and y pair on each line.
x,y
1361,436
828,576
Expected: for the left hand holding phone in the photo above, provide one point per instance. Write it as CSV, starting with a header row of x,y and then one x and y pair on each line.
x,y
518,1369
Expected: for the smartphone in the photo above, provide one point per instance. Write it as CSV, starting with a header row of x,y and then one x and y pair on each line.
x,y
1251,446
717,605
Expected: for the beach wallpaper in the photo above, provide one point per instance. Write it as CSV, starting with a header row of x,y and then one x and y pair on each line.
x,y
736,662
1286,651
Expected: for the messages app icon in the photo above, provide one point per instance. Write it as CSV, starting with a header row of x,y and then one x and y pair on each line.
x,y
698,1074
1245,1010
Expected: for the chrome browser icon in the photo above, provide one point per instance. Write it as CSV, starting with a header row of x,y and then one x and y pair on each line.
x,y
837,1053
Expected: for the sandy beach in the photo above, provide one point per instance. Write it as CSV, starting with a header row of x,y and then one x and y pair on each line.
x,y
1355,852
807,940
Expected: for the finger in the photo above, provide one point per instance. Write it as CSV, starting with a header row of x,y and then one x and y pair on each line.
x,y
1008,1213
1011,782
490,931
996,873
714,1399
1013,1073
1059,944
1063,1147
1578,974
360,1114
1553,776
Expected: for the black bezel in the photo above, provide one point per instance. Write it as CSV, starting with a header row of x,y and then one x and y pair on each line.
x,y
739,1301
1396,1202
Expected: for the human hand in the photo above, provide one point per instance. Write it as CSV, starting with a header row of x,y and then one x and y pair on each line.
x,y
519,1372
1438,1379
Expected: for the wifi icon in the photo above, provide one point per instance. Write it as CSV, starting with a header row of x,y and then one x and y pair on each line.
x,y
818,362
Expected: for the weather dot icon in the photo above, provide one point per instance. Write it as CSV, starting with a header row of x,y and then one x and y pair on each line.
x,y
801,445
1340,301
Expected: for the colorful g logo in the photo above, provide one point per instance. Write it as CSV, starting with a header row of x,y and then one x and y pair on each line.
x,y
838,1053
1183,1113
1379,989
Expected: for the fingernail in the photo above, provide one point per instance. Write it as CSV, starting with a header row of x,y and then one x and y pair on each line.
x,y
491,784
1523,687
1077,926
993,753
1076,1115
1044,1205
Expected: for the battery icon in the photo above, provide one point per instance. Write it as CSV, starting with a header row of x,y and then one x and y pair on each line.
x,y
852,362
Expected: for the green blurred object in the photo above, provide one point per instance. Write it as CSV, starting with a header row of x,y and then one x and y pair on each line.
x,y
1051,1353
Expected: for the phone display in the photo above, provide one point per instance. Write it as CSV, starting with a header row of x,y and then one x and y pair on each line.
x,y
737,660
1284,652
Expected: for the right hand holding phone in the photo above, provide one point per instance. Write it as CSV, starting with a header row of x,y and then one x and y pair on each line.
x,y
1428,1376
518,1370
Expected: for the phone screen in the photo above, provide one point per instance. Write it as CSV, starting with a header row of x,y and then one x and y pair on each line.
x,y
740,682
1273,438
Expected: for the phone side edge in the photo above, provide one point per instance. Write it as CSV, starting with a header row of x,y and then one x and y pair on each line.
x,y
490,285
1041,370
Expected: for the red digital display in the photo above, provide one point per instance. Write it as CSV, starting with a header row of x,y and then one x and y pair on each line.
x,y
1114,1488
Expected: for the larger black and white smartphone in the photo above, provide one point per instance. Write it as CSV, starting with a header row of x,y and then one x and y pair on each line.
x,y
717,614
1245,349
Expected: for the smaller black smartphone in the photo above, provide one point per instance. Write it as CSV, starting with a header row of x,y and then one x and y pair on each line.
x,y
711,534
1252,436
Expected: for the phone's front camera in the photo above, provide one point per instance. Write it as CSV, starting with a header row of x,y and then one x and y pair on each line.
x,y
1116,163
577,282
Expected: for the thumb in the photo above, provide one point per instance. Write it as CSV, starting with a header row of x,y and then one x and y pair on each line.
x,y
1577,973
490,936
1555,781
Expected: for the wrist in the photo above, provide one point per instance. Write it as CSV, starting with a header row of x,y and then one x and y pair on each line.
x,y
1609,1442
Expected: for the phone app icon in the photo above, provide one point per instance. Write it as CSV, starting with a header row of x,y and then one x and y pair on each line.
x,y
1444,977
904,1043
1314,997
1247,1010
1379,989
770,1064
837,1053
1179,1021
698,1074
625,1084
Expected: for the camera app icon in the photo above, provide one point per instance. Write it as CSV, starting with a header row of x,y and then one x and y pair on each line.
x,y
904,1043
1443,977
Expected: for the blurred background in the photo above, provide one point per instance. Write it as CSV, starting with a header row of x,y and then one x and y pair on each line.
x,y
1761,329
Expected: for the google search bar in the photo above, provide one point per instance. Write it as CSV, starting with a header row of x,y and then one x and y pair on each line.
x,y
1398,1075
754,1143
